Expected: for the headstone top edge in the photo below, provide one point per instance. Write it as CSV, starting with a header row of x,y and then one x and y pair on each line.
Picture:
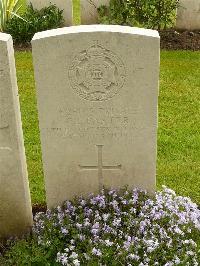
x,y
4,37
96,28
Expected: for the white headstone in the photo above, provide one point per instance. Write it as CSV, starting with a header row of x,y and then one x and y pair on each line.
x,y
15,204
97,99
65,5
188,15
89,13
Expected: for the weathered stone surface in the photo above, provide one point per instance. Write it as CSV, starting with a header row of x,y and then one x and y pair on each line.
x,y
89,13
97,99
15,205
188,15
65,5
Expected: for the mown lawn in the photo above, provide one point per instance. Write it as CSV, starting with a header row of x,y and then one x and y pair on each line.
x,y
179,123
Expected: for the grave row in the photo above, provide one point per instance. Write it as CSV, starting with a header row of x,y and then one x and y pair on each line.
x,y
188,12
89,13
97,96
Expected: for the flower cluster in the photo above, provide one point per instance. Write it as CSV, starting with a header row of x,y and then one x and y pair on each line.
x,y
122,228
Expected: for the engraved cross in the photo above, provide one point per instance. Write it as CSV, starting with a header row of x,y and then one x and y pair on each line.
x,y
100,167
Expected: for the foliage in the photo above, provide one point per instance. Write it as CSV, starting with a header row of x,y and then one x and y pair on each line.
x,y
22,30
8,10
146,13
118,13
115,228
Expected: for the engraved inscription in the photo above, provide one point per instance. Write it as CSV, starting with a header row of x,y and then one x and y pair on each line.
x,y
3,108
3,122
3,115
100,167
4,132
5,149
97,74
97,123
94,123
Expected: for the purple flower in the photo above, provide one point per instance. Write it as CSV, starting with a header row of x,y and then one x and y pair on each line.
x,y
96,252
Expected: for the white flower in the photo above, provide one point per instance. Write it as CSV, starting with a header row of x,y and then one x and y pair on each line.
x,y
178,230
116,222
64,231
83,202
86,256
169,264
96,252
177,260
190,253
74,255
150,249
108,243
134,257
76,262
105,216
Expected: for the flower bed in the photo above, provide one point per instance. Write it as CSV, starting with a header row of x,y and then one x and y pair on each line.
x,y
119,228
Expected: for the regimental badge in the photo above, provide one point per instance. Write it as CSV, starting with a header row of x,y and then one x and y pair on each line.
x,y
97,74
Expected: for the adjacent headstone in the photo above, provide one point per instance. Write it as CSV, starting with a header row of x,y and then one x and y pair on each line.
x,y
15,204
65,5
188,15
97,99
89,13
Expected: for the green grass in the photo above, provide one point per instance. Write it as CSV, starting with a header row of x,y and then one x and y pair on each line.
x,y
76,12
179,122
30,124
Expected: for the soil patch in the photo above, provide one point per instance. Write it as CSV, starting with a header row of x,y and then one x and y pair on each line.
x,y
23,47
38,208
180,40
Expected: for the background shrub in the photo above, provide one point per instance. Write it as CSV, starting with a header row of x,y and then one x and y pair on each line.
x,y
155,14
23,28
118,12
